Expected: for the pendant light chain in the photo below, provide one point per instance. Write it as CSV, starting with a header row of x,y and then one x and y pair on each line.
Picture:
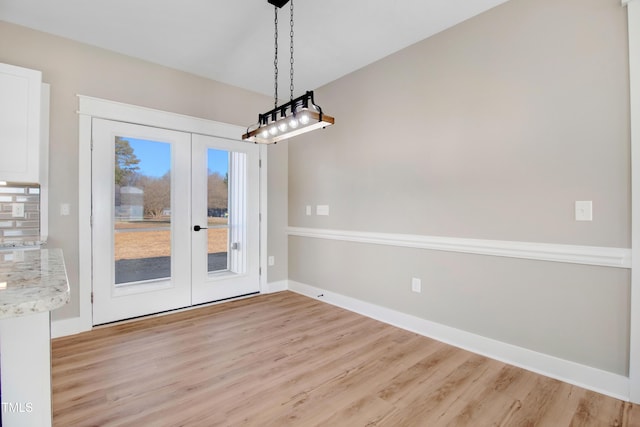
x,y
298,116
291,51
275,59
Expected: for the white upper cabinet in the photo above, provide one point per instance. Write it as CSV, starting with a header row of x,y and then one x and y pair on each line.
x,y
20,109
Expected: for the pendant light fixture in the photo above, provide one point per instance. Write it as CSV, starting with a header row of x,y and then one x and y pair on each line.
x,y
299,115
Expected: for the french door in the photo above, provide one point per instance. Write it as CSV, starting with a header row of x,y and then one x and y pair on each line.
x,y
175,220
231,225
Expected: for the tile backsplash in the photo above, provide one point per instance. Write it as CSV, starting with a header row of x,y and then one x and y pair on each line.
x,y
19,211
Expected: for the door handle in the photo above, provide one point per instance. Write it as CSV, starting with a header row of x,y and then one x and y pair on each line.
x,y
198,228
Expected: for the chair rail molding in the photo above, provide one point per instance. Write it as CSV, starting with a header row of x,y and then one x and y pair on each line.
x,y
589,255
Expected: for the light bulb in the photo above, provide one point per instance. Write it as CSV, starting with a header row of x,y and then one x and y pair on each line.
x,y
264,134
304,119
282,126
293,123
273,130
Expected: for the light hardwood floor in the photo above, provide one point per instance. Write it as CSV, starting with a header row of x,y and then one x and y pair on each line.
x,y
284,359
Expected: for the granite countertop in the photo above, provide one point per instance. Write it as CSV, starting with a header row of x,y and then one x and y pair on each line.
x,y
34,242
32,281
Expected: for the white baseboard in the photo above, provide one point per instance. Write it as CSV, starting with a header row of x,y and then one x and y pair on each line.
x,y
66,327
272,287
600,381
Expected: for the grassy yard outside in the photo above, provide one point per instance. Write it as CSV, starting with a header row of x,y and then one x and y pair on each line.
x,y
156,240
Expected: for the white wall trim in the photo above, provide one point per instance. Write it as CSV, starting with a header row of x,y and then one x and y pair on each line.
x,y
573,373
279,286
590,255
633,16
66,327
113,110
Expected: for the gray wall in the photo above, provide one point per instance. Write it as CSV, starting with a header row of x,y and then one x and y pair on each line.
x,y
278,219
489,130
72,68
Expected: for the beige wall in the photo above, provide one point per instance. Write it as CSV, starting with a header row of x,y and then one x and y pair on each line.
x,y
489,130
72,68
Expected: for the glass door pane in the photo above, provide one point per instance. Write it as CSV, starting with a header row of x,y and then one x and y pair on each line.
x,y
142,210
225,200
217,210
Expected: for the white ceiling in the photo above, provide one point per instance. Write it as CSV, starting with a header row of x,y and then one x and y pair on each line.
x,y
232,41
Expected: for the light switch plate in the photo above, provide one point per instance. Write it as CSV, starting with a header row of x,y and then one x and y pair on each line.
x,y
271,261
322,210
416,285
584,210
308,209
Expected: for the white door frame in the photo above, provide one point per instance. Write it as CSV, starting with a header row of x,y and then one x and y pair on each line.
x,y
633,17
90,107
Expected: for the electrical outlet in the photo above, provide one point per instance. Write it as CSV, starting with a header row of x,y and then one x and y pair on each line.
x,y
17,210
416,285
271,261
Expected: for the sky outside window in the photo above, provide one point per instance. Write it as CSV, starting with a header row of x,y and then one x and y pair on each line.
x,y
154,158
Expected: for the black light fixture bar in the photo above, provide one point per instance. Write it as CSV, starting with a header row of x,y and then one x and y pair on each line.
x,y
293,105
298,116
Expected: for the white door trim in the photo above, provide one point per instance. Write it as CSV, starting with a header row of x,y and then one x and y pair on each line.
x,y
633,16
90,107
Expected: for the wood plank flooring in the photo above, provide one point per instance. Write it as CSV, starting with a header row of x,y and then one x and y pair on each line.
x,y
284,359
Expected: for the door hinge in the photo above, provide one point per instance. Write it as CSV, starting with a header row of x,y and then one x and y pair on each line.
x,y
91,297
259,271
260,163
91,144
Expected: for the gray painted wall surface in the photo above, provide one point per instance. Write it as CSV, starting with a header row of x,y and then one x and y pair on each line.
x,y
490,130
278,219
